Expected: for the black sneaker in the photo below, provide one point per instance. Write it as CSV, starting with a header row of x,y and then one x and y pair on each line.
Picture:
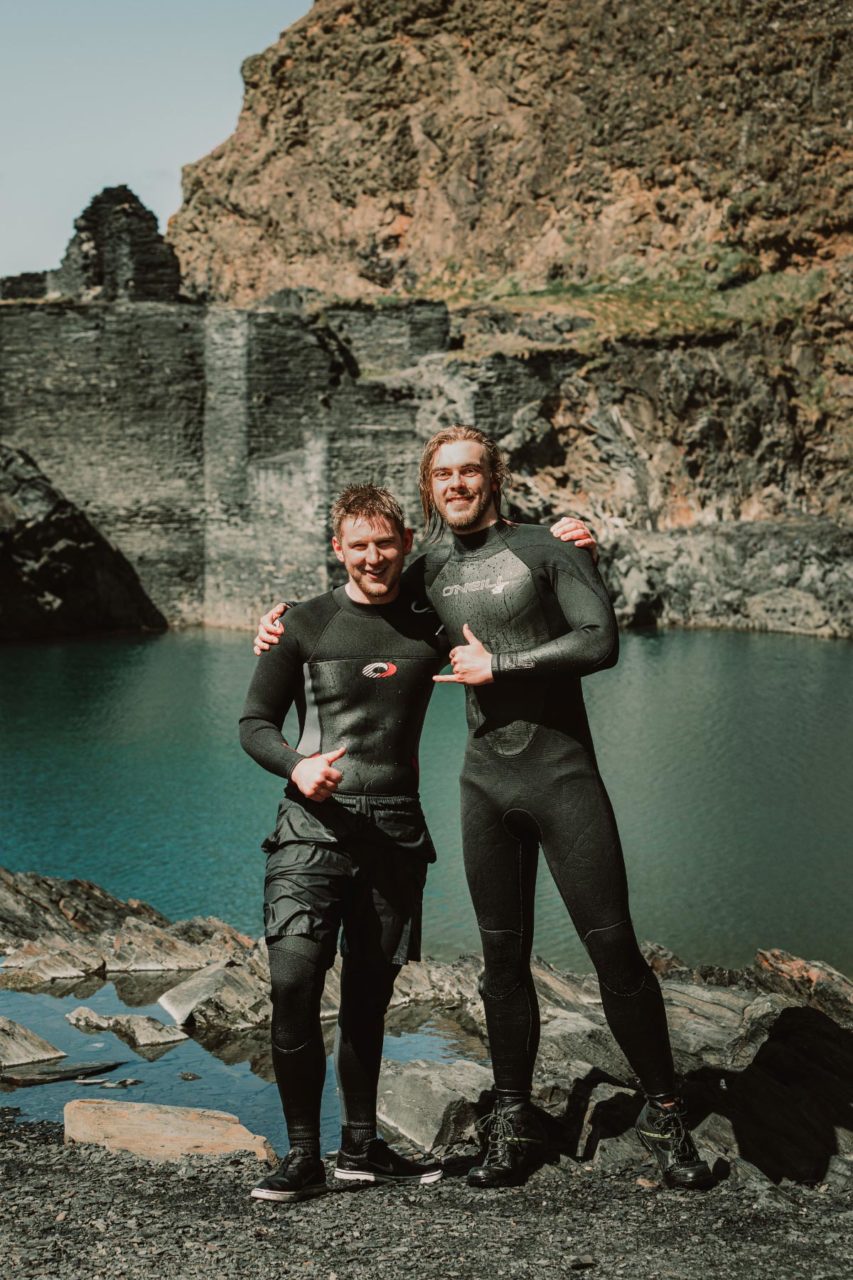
x,y
513,1145
379,1163
298,1177
663,1132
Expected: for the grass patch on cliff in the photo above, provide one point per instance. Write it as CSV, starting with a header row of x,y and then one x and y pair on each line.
x,y
693,301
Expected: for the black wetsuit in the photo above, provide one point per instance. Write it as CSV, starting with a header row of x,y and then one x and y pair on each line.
x,y
361,677
530,778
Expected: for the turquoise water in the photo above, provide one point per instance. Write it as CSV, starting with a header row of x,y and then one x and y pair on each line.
x,y
726,756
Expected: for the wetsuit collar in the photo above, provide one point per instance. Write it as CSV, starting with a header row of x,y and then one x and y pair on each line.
x,y
470,543
346,602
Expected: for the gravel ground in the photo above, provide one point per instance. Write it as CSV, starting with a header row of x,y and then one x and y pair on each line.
x,y
81,1211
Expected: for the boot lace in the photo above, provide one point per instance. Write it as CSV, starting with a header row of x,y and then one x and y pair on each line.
x,y
499,1134
670,1125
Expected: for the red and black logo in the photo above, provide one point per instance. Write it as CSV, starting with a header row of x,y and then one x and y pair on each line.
x,y
379,670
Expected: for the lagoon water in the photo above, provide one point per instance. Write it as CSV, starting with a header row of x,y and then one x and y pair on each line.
x,y
727,756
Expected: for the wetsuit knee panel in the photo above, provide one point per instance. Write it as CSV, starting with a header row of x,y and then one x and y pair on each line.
x,y
297,977
619,963
506,966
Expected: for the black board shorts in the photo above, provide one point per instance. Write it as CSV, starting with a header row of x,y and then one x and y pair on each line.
x,y
354,866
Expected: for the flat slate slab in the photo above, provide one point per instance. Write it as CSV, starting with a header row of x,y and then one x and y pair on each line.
x,y
48,1073
157,1132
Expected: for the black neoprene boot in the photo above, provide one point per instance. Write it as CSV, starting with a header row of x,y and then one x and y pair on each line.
x,y
663,1131
513,1142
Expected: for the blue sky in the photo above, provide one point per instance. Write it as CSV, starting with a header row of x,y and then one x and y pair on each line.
x,y
98,92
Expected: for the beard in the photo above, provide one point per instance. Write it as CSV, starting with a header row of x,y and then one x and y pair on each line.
x,y
460,516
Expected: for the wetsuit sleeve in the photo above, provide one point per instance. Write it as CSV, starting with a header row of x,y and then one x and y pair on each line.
x,y
275,684
592,644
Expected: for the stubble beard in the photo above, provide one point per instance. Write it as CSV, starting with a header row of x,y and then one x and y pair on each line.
x,y
464,521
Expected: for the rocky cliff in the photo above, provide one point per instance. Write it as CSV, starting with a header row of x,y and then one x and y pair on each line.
x,y
58,575
445,144
617,238
640,217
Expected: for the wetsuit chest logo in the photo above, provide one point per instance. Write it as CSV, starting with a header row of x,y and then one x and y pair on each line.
x,y
494,585
379,670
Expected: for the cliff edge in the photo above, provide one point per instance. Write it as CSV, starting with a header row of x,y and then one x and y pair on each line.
x,y
433,145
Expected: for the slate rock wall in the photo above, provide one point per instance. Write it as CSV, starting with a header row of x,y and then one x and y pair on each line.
x,y
108,399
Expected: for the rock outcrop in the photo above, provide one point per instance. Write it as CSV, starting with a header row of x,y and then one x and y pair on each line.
x,y
58,575
388,144
766,1052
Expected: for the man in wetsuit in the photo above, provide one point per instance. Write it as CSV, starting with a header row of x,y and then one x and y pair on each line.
x,y
350,849
528,616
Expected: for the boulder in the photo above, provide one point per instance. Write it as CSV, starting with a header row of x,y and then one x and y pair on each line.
x,y
19,1045
136,1029
160,1133
718,1026
812,981
141,947
222,997
433,1104
53,958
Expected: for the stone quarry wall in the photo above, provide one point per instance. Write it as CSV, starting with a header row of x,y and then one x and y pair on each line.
x,y
108,398
207,442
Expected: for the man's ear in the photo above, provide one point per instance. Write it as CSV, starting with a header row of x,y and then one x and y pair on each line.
x,y
408,538
338,549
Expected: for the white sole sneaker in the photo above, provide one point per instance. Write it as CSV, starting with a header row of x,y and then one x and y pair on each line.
x,y
355,1175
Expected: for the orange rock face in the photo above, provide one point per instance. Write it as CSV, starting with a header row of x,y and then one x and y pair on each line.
x,y
422,146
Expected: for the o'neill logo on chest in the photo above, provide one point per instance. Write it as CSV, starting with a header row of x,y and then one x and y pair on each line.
x,y
379,670
494,585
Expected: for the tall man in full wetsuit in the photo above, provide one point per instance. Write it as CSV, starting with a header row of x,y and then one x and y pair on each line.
x,y
529,616
350,850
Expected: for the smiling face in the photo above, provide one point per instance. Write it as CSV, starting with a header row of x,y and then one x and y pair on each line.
x,y
373,552
462,487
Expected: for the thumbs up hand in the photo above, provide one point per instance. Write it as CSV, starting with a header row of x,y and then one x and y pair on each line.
x,y
471,662
315,776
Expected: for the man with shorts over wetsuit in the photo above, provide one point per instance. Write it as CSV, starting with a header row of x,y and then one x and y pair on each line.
x,y
350,849
528,617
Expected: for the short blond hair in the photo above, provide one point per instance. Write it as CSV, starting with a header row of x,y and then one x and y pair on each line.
x,y
367,502
499,472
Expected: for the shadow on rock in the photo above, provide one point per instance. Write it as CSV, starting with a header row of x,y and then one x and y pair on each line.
x,y
791,1110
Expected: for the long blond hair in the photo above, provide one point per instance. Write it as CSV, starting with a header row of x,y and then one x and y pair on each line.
x,y
498,470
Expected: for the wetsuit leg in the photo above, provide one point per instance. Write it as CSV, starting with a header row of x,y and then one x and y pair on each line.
x,y
500,865
297,973
365,994
581,846
381,932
